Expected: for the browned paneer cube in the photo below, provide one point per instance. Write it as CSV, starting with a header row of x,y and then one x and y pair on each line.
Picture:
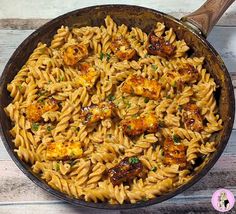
x,y
88,75
174,152
95,113
127,169
189,74
141,86
74,53
158,46
35,111
192,118
121,48
140,125
63,150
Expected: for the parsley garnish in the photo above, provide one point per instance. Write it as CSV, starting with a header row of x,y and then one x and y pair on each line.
x,y
49,128
20,87
154,169
101,55
133,160
111,97
35,127
176,138
129,127
108,57
161,123
57,166
168,96
154,67
146,100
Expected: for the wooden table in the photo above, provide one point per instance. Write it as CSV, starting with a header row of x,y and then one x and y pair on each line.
x,y
18,194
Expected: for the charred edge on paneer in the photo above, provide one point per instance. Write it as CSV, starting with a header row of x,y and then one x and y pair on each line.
x,y
189,74
141,86
192,118
88,75
35,111
137,126
121,48
158,46
63,150
95,113
74,53
174,153
126,170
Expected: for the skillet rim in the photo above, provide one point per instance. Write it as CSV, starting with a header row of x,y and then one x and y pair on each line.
x,y
78,202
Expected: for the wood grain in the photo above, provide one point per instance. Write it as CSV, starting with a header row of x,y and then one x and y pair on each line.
x,y
25,9
208,15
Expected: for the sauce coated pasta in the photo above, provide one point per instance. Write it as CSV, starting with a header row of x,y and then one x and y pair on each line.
x,y
113,114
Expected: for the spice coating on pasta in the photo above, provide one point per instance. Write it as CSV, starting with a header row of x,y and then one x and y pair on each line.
x,y
109,114
141,86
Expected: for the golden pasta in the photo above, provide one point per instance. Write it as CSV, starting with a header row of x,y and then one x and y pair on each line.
x,y
114,114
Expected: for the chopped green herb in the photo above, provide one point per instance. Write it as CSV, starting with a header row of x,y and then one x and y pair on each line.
x,y
133,160
101,55
49,128
35,126
174,84
57,166
176,138
135,116
111,97
154,67
20,87
168,96
62,79
146,100
108,57
129,127
154,169
161,123
180,108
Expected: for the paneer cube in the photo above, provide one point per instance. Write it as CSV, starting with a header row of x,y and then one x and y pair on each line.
x,y
35,111
88,75
140,125
74,53
174,153
63,150
121,48
95,113
141,86
192,118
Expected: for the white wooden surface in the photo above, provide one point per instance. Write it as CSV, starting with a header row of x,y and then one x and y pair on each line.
x,y
19,195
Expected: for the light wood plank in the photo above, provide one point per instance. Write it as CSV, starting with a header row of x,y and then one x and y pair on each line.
x,y
42,9
222,39
51,208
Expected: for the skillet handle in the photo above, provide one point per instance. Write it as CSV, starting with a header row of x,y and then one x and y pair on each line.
x,y
207,15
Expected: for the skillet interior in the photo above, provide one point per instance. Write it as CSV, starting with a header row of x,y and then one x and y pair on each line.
x,y
131,16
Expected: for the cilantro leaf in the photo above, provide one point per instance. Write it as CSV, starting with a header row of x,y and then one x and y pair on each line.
x,y
154,169
154,67
133,160
101,55
176,138
35,126
111,97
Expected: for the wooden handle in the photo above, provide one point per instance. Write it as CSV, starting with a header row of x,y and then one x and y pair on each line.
x,y
207,15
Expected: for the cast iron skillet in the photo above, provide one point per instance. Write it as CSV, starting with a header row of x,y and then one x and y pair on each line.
x,y
144,18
